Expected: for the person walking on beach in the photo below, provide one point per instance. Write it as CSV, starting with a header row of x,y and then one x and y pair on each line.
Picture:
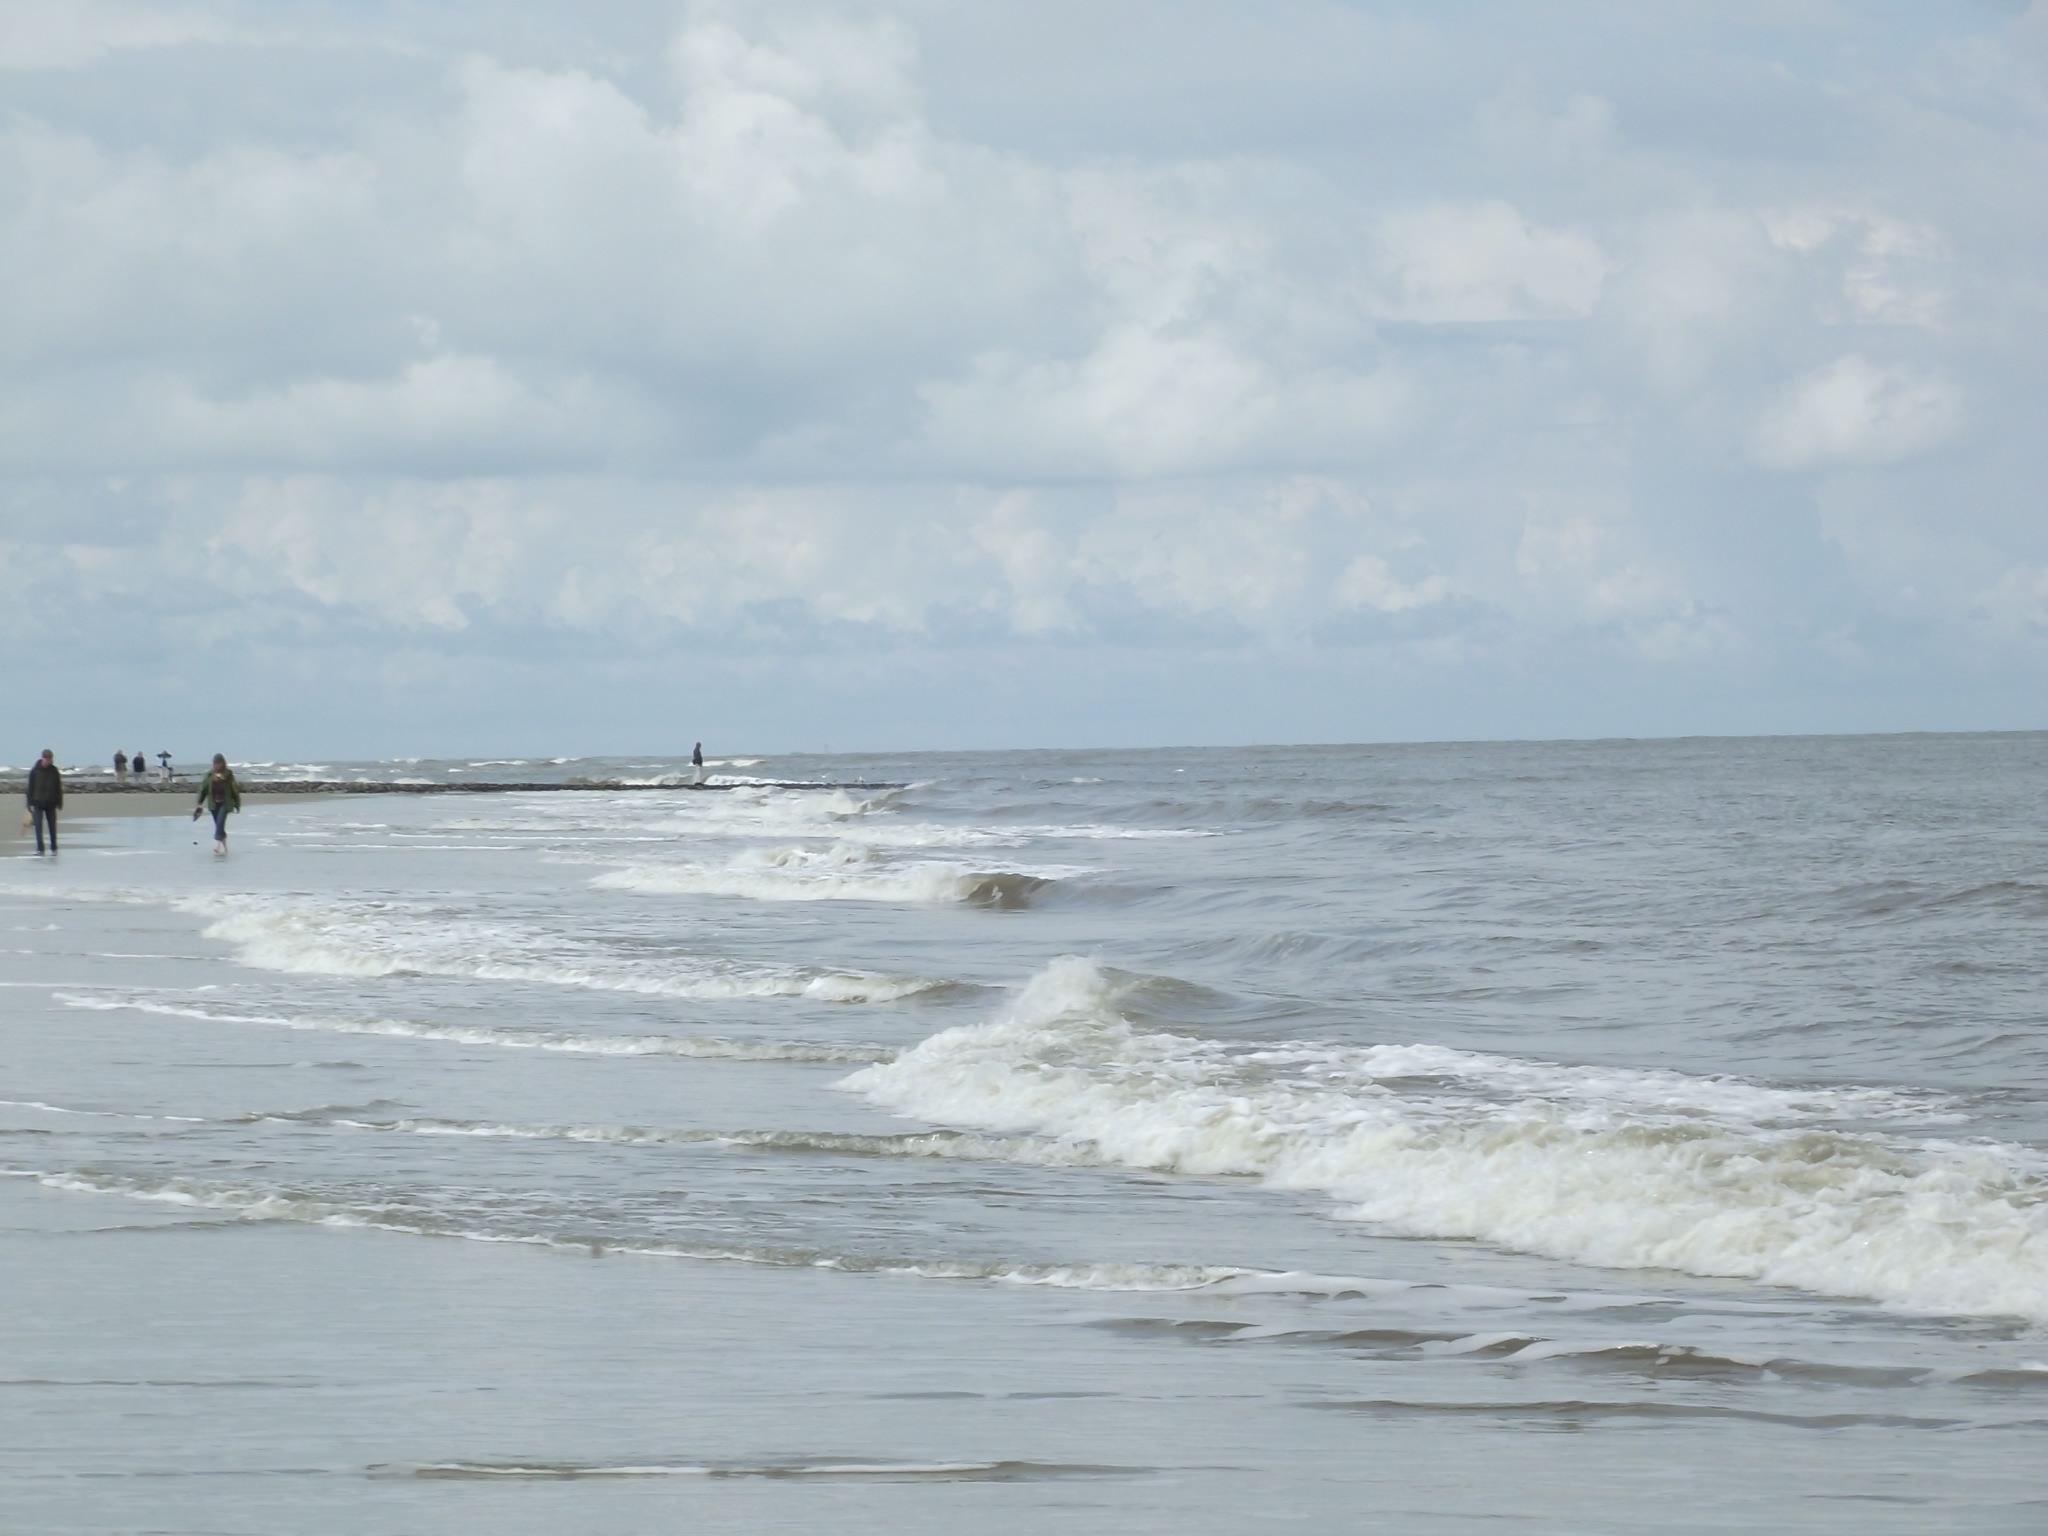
x,y
165,759
45,797
120,767
220,794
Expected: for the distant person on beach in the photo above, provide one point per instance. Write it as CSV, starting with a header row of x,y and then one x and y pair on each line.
x,y
45,797
697,761
220,794
165,759
139,766
120,767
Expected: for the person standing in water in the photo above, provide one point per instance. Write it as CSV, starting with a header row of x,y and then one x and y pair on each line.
x,y
697,762
45,797
220,794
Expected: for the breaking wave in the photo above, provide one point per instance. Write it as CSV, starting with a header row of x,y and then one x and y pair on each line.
x,y
843,872
741,810
382,938
1630,1170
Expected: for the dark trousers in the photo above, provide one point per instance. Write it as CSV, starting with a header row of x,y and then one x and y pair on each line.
x,y
45,814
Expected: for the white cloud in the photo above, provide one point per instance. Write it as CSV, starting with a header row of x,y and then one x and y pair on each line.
x,y
1369,582
1854,411
1702,295
407,555
1486,262
1581,558
801,327
443,407
1888,271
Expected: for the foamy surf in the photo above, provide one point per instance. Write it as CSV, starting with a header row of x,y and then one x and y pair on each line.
x,y
381,938
712,1047
842,872
1626,1170
740,809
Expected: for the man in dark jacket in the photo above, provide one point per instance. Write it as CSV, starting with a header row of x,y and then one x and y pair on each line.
x,y
45,797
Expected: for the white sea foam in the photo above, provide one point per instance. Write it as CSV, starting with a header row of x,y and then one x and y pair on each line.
x,y
753,812
408,1212
384,938
1630,1170
1413,1067
744,811
841,872
703,1046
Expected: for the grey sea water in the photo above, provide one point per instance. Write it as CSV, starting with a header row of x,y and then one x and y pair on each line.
x,y
1603,1137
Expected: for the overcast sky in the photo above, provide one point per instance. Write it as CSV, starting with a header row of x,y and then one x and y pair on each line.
x,y
451,376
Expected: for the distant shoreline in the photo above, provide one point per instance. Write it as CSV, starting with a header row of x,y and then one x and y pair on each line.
x,y
297,789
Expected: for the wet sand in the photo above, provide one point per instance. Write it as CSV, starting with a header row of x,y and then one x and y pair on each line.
x,y
145,802
115,804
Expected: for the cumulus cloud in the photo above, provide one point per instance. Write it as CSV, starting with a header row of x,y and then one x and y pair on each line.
x,y
799,329
1854,411
1486,261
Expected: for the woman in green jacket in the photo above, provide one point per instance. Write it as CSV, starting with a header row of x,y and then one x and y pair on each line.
x,y
220,794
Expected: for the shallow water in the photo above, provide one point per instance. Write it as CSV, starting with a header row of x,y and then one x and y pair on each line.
x,y
1597,1137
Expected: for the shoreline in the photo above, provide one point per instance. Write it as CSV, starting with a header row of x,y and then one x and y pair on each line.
x,y
309,789
110,802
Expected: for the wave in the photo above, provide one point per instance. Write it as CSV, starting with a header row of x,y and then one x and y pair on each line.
x,y
1575,1413
1409,1319
953,1146
391,1211
38,1106
1446,1336
710,1047
737,815
828,1470
843,872
384,938
569,821
1412,1320
1910,899
1630,1171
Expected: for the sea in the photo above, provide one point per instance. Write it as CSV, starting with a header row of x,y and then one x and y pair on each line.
x,y
1588,1137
